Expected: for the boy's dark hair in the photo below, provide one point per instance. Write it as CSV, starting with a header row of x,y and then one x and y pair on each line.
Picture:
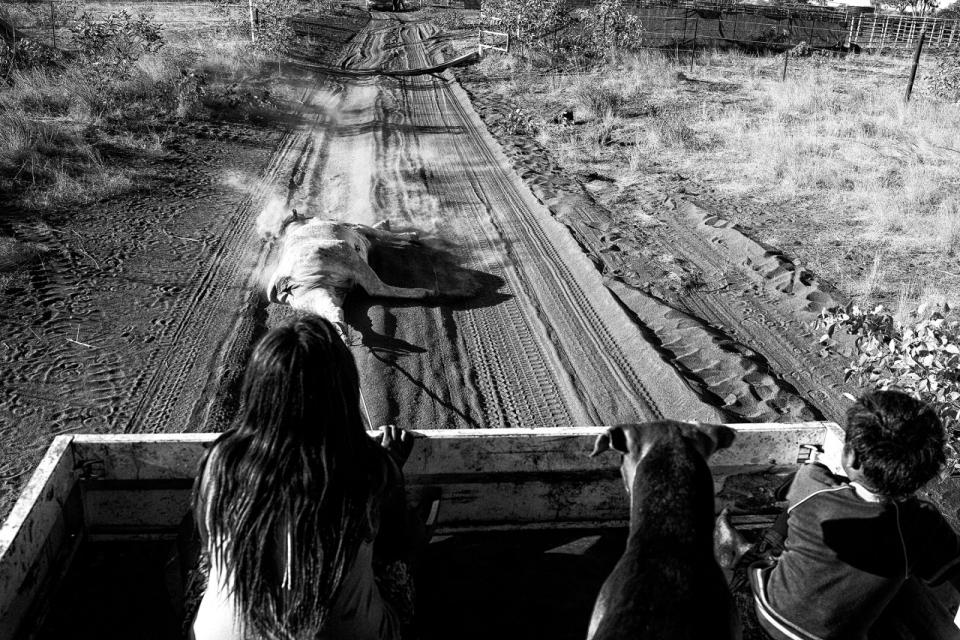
x,y
898,441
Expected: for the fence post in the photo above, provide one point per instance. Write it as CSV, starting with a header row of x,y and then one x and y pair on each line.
x,y
913,67
873,31
253,30
693,54
786,58
53,25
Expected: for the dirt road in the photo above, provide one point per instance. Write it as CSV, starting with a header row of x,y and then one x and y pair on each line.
x,y
140,311
117,322
542,342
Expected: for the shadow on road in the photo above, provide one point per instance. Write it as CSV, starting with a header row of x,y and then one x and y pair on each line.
x,y
430,264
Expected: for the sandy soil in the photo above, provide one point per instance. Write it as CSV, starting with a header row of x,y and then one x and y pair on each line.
x,y
116,324
543,343
738,326
139,312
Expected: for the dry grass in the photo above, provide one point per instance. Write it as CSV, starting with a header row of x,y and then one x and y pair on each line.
x,y
831,160
59,129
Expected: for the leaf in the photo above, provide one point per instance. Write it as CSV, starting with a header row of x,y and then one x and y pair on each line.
x,y
849,396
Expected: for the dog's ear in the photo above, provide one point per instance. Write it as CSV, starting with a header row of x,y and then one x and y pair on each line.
x,y
708,438
613,438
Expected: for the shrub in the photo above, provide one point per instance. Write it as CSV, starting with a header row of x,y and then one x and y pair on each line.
x,y
191,88
519,122
942,79
920,356
599,98
528,21
109,49
611,27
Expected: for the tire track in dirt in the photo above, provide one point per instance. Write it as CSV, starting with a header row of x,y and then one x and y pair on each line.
x,y
741,334
117,320
552,347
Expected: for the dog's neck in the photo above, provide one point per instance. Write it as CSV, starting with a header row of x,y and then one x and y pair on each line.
x,y
671,501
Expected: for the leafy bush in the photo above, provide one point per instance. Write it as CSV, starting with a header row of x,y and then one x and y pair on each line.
x,y
611,27
601,29
191,87
941,80
25,53
527,21
273,32
519,122
108,49
921,356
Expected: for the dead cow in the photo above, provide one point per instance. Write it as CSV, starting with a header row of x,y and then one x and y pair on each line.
x,y
320,261
667,584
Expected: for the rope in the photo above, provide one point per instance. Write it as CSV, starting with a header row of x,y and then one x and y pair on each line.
x,y
345,336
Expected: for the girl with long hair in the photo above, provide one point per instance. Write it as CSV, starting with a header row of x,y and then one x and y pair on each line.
x,y
290,500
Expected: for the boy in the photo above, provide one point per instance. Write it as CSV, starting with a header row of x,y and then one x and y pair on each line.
x,y
851,543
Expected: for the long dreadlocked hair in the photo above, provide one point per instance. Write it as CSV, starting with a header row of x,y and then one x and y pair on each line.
x,y
291,491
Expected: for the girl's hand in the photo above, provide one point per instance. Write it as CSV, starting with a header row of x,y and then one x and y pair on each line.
x,y
397,441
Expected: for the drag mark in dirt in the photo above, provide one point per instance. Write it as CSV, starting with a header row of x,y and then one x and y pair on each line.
x,y
539,341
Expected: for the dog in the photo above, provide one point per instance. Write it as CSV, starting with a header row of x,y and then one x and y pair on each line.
x,y
667,584
320,261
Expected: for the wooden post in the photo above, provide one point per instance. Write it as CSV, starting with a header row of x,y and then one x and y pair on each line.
x,y
53,25
684,36
253,28
786,58
953,30
873,31
913,67
693,53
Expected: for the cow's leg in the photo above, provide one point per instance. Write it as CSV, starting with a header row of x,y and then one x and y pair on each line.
x,y
321,302
368,279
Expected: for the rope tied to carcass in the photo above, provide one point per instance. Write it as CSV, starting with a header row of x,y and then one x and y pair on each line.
x,y
344,330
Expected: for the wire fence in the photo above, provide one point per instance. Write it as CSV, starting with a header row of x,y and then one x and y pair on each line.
x,y
689,24
696,24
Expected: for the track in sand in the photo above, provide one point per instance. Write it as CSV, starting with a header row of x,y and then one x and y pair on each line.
x,y
140,312
543,343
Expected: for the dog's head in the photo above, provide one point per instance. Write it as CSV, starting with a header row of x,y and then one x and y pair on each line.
x,y
635,441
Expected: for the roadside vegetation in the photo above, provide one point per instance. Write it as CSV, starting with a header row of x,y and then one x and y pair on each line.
x,y
99,116
830,165
72,119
